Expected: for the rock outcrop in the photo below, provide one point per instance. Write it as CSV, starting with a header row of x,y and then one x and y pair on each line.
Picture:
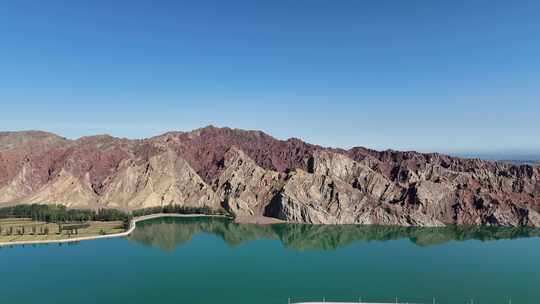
x,y
163,179
244,187
252,174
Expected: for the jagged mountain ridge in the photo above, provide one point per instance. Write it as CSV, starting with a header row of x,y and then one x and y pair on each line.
x,y
253,174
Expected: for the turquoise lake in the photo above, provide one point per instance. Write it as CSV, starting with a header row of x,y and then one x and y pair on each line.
x,y
211,260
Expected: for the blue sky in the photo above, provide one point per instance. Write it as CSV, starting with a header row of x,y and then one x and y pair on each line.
x,y
425,75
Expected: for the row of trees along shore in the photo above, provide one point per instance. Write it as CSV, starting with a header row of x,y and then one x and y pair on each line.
x,y
61,214
179,210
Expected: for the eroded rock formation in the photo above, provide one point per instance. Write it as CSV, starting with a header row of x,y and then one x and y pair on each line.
x,y
251,174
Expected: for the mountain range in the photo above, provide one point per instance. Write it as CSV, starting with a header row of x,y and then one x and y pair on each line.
x,y
252,175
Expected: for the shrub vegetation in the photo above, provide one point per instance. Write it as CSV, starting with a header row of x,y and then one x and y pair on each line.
x,y
61,214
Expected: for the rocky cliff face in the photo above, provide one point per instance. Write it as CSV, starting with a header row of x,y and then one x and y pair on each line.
x,y
252,174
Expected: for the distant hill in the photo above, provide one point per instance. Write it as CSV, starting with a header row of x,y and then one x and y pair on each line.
x,y
518,158
521,162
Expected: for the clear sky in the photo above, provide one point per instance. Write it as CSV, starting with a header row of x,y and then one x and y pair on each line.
x,y
425,75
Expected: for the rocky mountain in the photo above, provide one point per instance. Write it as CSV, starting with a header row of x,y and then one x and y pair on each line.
x,y
252,174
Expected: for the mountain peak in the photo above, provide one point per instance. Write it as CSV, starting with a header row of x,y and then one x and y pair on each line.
x,y
15,139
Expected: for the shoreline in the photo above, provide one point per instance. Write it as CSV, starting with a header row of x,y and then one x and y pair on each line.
x,y
132,226
259,220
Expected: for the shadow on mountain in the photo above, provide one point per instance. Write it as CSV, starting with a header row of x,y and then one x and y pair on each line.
x,y
169,233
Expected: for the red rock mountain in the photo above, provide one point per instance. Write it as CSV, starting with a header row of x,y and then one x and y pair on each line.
x,y
253,174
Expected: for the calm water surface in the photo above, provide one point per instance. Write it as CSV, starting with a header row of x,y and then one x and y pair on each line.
x,y
217,261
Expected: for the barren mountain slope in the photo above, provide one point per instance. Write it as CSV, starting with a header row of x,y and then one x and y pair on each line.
x,y
253,174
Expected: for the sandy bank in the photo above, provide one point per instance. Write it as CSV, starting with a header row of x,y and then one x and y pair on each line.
x,y
259,220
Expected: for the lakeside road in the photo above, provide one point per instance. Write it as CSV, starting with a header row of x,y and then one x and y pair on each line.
x,y
132,227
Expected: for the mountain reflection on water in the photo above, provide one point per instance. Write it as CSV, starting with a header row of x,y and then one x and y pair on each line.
x,y
169,233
